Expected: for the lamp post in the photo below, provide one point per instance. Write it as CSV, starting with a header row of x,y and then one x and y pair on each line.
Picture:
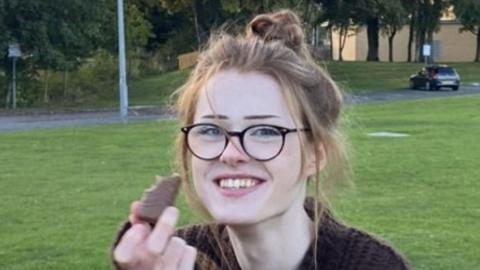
x,y
14,52
123,88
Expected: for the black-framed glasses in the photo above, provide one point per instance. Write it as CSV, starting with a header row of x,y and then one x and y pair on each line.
x,y
260,142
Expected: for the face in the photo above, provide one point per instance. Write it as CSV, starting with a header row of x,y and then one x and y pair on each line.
x,y
235,188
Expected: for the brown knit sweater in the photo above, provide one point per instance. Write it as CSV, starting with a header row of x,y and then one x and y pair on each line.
x,y
338,247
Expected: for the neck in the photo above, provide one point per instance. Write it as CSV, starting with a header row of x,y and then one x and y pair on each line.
x,y
273,244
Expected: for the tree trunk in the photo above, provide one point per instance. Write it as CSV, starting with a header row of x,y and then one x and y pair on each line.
x,y
372,35
261,8
432,49
207,14
65,83
342,40
390,45
9,95
46,99
330,36
420,41
200,22
430,37
410,36
477,54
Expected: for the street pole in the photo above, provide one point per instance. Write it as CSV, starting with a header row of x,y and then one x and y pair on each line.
x,y
15,53
14,84
122,63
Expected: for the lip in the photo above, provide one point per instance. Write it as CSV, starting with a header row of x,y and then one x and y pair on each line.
x,y
235,193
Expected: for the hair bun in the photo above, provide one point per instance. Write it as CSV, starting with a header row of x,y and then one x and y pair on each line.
x,y
283,26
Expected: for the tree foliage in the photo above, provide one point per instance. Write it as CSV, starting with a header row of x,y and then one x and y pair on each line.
x,y
54,33
392,19
468,11
428,17
338,15
207,14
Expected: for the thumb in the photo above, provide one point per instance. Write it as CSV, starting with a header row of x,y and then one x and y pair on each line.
x,y
134,213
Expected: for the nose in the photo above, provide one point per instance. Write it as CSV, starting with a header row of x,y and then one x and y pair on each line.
x,y
233,153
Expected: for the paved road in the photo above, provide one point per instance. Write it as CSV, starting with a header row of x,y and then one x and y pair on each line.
x,y
404,94
26,122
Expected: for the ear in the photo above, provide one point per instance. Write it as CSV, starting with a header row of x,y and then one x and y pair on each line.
x,y
311,161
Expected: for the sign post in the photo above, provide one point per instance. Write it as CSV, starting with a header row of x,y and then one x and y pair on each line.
x,y
427,52
121,63
14,52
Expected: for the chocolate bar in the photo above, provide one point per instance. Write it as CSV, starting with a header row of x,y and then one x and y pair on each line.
x,y
158,197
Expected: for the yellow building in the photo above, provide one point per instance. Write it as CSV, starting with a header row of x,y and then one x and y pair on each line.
x,y
451,45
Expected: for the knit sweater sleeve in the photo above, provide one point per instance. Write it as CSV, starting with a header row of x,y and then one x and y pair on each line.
x,y
366,252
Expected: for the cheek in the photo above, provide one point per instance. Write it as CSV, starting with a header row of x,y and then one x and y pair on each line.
x,y
199,172
287,166
292,151
197,168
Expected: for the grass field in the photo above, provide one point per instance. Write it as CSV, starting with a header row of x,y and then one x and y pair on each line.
x,y
381,76
351,76
63,192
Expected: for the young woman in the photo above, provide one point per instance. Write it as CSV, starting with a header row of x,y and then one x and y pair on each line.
x,y
259,124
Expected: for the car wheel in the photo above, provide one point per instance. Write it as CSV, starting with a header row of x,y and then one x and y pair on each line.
x,y
455,88
428,86
412,85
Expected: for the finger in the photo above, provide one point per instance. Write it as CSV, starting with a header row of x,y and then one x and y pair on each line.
x,y
188,259
173,254
163,230
134,212
124,253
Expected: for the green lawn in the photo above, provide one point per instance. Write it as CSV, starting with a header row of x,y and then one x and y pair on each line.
x,y
351,76
157,89
381,76
63,192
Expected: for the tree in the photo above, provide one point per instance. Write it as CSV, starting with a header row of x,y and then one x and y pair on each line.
x,y
392,20
166,26
468,11
210,14
428,20
57,34
368,12
338,16
412,7
4,38
371,13
207,14
424,19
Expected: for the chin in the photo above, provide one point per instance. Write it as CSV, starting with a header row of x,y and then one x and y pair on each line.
x,y
235,214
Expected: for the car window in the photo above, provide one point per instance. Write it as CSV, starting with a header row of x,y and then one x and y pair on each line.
x,y
446,71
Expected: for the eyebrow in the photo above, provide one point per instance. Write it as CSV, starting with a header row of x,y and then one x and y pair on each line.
x,y
248,117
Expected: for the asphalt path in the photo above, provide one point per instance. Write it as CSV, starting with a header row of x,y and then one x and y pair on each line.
x,y
9,123
407,94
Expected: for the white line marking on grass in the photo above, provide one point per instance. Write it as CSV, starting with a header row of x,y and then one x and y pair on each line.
x,y
386,134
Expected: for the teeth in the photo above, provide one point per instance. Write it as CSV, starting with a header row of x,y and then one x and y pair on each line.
x,y
237,183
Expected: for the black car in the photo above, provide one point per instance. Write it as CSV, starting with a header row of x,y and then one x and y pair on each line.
x,y
435,77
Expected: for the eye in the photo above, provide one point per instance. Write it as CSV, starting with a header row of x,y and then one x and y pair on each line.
x,y
264,131
207,130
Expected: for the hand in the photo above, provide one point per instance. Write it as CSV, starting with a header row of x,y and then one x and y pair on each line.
x,y
142,248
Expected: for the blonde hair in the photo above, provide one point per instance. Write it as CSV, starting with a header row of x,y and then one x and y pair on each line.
x,y
274,45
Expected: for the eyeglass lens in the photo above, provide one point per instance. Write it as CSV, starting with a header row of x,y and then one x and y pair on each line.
x,y
261,142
